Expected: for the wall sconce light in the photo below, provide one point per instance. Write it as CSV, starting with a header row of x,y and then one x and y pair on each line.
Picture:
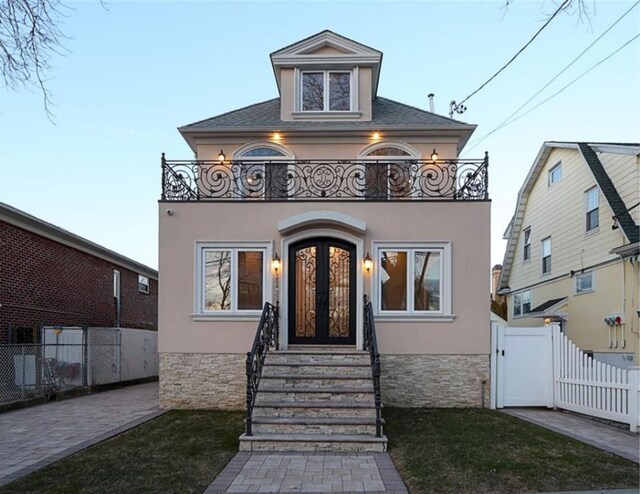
x,y
277,136
275,263
375,136
434,155
368,262
547,320
221,156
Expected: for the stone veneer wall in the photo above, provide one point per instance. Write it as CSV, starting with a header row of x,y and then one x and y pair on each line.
x,y
435,380
203,380
218,381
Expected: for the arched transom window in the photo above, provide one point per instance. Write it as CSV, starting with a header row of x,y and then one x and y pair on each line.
x,y
388,151
262,152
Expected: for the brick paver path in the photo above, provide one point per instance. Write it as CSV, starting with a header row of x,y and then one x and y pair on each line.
x,y
607,437
33,437
309,472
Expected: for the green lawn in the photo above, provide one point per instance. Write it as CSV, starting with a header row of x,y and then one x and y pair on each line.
x,y
481,451
180,451
436,450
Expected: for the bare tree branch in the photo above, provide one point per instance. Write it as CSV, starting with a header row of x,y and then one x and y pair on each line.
x,y
29,38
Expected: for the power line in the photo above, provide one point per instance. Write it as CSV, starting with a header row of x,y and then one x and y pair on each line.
x,y
506,120
460,105
565,87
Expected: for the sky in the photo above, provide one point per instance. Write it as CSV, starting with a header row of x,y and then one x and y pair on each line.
x,y
134,71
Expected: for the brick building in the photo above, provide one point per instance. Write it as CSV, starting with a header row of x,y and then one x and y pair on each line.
x,y
49,276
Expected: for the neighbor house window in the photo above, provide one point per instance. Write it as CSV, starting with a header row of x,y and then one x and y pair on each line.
x,y
143,284
555,174
592,197
584,282
546,255
326,91
231,279
526,253
413,280
521,303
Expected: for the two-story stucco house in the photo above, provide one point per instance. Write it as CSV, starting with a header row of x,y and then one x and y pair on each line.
x,y
294,210
572,250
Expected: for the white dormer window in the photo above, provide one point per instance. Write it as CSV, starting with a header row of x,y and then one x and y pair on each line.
x,y
327,90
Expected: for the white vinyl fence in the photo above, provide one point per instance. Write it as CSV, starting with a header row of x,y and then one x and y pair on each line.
x,y
587,386
579,383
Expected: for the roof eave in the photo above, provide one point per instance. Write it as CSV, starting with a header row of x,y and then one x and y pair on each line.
x,y
43,228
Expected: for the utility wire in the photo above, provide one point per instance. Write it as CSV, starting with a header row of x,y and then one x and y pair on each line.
x,y
565,87
562,6
506,120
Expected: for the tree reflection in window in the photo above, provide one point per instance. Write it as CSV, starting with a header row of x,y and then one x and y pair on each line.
x,y
217,280
393,278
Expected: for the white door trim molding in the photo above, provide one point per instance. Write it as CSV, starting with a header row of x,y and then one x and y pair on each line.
x,y
309,218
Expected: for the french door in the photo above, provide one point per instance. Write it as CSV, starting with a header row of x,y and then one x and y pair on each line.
x,y
322,292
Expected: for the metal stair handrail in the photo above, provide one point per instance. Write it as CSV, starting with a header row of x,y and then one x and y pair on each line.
x,y
371,344
266,337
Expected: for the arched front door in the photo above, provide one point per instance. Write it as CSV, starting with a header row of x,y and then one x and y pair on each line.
x,y
322,292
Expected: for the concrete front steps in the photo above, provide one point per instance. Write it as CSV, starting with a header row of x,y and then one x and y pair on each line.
x,y
315,399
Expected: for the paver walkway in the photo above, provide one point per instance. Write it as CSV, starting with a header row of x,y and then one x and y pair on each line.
x,y
33,437
309,472
607,437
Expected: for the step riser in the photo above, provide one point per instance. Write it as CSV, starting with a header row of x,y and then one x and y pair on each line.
x,y
334,384
280,358
313,446
306,370
314,412
296,397
319,429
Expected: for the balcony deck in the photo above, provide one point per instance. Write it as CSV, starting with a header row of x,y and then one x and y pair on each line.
x,y
321,180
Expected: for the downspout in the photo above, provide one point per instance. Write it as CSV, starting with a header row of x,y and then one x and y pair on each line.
x,y
624,300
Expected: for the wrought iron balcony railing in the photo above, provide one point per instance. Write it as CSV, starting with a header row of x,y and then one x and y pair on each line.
x,y
313,180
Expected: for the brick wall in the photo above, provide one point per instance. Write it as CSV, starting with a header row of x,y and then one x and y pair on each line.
x,y
43,282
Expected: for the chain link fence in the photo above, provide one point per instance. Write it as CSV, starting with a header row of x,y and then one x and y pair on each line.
x,y
74,357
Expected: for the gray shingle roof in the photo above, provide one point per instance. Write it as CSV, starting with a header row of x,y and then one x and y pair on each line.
x,y
547,305
611,193
386,114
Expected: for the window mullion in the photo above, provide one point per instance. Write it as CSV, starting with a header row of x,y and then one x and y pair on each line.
x,y
326,90
234,280
410,282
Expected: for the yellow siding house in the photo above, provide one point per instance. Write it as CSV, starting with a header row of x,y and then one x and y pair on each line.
x,y
572,250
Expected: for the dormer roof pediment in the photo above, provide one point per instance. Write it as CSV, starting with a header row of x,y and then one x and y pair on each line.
x,y
327,50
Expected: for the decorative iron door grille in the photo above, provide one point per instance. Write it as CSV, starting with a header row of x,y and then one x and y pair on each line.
x,y
322,294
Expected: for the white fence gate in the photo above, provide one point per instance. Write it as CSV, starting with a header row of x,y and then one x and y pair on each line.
x,y
543,367
526,365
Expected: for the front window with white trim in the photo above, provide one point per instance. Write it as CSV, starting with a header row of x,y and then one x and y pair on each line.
x,y
230,279
521,303
584,282
413,279
326,90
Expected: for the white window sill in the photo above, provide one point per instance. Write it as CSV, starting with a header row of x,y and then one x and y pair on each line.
x,y
584,292
325,115
239,317
522,316
415,317
593,231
